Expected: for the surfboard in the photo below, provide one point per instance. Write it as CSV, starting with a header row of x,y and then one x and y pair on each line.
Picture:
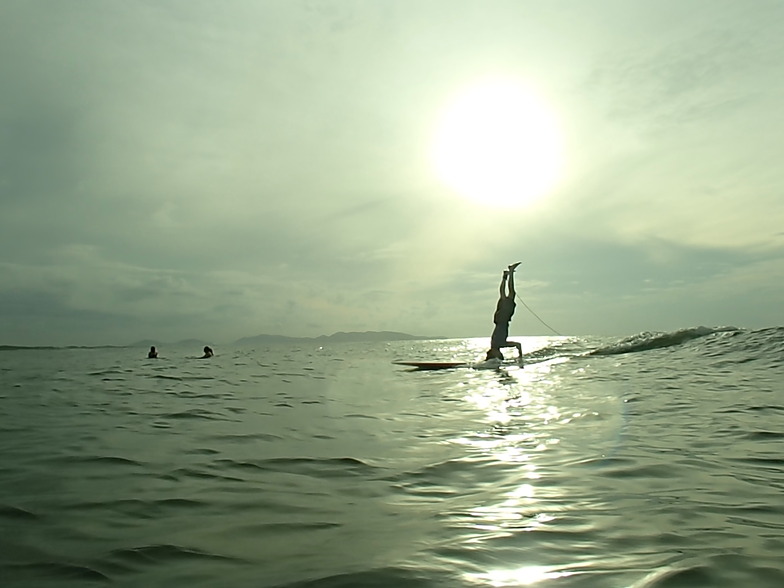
x,y
432,365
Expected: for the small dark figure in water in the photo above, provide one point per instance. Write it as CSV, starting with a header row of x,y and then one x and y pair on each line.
x,y
207,352
503,314
153,354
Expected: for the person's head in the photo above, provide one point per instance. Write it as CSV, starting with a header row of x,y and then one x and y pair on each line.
x,y
152,348
207,349
494,353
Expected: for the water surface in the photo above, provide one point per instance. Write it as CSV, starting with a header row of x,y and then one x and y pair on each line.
x,y
655,460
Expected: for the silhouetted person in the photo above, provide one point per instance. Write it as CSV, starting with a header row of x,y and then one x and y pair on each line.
x,y
503,314
207,352
153,354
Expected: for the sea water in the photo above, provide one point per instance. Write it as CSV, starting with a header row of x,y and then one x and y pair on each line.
x,y
655,460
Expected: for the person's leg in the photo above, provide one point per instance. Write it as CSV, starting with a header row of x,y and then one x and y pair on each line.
x,y
502,285
510,284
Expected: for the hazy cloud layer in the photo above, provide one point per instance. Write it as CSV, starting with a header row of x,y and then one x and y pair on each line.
x,y
178,169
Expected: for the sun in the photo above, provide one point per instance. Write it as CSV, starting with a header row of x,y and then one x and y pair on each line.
x,y
499,144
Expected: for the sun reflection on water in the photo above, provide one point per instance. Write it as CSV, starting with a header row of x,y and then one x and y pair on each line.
x,y
523,420
527,436
524,576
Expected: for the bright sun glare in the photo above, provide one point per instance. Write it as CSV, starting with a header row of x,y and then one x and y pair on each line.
x,y
498,144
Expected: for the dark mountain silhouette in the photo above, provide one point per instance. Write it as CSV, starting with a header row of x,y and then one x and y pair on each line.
x,y
339,337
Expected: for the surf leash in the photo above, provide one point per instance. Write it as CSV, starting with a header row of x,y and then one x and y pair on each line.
x,y
536,315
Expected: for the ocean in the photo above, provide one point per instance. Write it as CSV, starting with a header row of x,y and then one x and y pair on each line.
x,y
655,460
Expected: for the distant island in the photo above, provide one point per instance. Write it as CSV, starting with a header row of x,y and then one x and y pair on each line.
x,y
184,343
57,347
339,337
265,339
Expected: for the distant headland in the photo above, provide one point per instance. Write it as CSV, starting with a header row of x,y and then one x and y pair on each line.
x,y
339,337
265,339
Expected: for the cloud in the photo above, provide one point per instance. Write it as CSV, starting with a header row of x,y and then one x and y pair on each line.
x,y
688,131
193,170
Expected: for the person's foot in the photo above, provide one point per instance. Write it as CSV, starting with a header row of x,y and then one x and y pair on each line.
x,y
514,266
506,274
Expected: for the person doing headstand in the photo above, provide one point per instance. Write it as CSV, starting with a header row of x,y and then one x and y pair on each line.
x,y
503,315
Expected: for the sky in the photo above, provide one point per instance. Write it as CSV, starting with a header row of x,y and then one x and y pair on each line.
x,y
188,168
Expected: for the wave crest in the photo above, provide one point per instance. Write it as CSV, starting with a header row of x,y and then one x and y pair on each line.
x,y
646,341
